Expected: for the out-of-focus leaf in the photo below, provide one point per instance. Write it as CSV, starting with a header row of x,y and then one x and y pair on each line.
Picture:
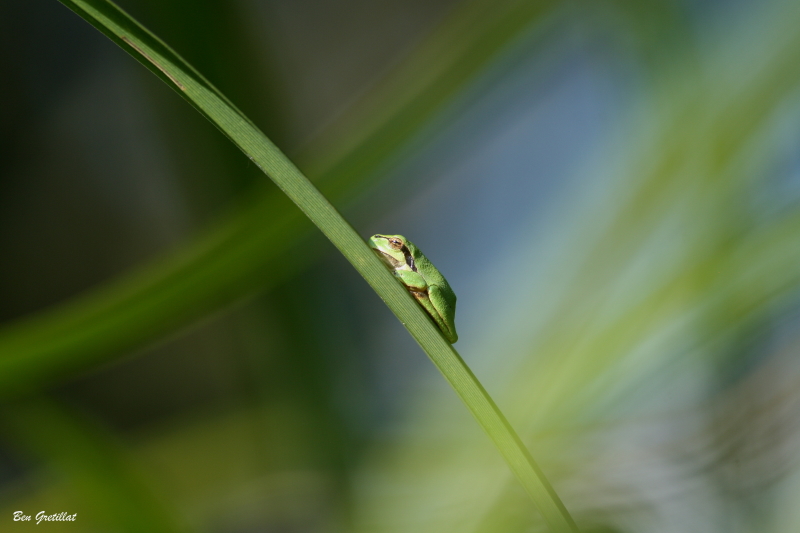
x,y
230,259
194,88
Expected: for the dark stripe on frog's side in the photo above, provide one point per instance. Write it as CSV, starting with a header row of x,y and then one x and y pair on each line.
x,y
409,258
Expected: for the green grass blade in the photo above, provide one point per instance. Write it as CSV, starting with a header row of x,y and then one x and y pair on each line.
x,y
227,262
193,87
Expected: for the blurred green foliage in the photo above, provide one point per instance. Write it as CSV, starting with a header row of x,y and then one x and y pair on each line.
x,y
638,323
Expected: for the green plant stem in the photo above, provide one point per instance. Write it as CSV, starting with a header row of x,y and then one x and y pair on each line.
x,y
227,262
193,87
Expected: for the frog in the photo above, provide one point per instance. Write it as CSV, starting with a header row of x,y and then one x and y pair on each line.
x,y
423,280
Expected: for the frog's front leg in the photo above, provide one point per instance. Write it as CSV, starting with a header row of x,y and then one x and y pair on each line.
x,y
412,280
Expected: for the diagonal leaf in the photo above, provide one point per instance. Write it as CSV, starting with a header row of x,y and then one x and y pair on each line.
x,y
228,262
203,96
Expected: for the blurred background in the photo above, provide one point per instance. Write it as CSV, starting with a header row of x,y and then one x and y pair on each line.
x,y
612,189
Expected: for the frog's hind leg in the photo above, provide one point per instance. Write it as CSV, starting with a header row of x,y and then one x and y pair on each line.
x,y
425,302
445,310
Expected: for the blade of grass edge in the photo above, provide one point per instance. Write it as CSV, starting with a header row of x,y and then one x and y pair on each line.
x,y
224,264
166,64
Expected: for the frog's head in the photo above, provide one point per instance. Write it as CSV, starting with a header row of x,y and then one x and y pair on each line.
x,y
392,249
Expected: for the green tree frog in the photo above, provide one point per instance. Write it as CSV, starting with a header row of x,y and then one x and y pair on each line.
x,y
425,283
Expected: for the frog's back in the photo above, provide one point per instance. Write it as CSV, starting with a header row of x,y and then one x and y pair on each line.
x,y
432,274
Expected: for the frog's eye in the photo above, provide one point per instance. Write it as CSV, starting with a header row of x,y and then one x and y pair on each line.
x,y
396,243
